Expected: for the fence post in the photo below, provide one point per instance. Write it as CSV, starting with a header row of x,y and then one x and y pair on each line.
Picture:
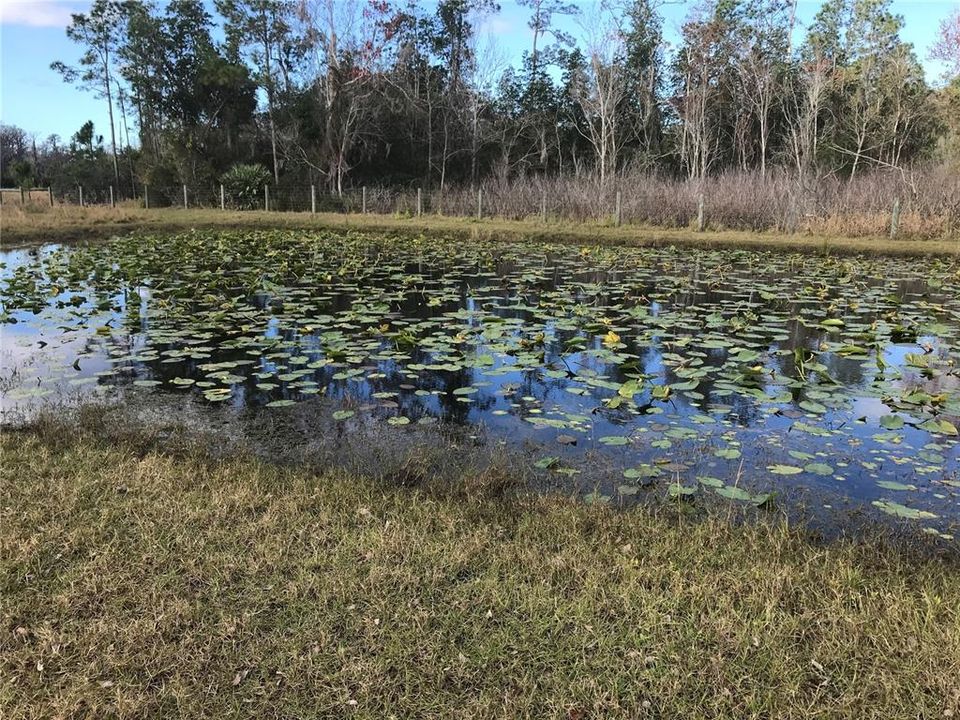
x,y
543,207
479,204
895,219
363,200
21,195
791,222
50,193
619,217
146,196
701,220
419,203
184,197
266,198
223,198
81,194
313,199
113,202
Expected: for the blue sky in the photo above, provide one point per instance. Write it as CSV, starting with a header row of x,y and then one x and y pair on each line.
x,y
32,36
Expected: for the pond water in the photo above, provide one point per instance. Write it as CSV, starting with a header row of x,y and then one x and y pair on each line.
x,y
728,372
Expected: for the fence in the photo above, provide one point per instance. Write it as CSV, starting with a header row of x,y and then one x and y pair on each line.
x,y
870,206
25,196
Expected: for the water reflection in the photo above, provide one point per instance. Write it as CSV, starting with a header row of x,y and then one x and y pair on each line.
x,y
727,363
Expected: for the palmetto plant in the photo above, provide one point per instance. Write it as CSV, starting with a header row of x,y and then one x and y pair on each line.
x,y
243,185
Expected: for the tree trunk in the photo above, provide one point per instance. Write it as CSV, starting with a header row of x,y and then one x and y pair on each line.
x,y
113,132
269,79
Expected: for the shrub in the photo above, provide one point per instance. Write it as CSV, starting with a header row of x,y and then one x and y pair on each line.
x,y
243,185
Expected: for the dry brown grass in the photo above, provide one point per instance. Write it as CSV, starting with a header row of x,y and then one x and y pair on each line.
x,y
66,223
739,202
137,584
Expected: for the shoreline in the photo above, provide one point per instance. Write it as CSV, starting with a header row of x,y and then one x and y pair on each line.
x,y
18,228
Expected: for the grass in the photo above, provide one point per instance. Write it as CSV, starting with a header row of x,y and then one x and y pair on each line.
x,y
65,223
139,583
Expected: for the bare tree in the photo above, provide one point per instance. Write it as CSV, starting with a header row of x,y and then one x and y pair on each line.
x,y
803,109
601,91
488,64
760,67
696,105
347,43
946,48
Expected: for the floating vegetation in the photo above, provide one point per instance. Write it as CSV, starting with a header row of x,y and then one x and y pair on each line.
x,y
684,369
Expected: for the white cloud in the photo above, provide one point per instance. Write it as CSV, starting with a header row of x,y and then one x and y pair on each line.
x,y
38,13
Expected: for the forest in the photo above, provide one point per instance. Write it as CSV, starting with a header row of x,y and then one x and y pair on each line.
x,y
344,93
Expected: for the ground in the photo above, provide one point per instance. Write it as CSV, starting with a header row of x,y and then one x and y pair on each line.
x,y
69,223
140,583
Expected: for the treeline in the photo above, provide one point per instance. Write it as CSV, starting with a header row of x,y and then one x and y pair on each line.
x,y
342,93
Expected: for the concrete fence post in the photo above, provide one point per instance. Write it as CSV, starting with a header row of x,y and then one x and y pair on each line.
x,y
266,198
80,188
113,200
618,216
223,198
184,197
363,200
313,199
419,203
701,219
895,219
479,204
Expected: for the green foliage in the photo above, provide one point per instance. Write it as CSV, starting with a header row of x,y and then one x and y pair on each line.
x,y
22,172
414,99
243,185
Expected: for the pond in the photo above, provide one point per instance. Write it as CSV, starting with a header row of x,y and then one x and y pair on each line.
x,y
730,373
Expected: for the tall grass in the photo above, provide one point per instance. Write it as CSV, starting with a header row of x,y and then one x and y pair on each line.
x,y
929,201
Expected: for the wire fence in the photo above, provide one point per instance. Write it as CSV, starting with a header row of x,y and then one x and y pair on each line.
x,y
871,206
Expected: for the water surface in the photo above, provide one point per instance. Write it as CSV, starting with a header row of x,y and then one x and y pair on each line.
x,y
725,372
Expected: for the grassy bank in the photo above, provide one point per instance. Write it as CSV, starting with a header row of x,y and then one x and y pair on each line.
x,y
139,584
67,223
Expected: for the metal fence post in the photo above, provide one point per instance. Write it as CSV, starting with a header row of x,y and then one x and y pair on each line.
x,y
895,219
223,198
81,194
619,217
419,203
113,201
479,204
313,199
266,198
184,197
363,200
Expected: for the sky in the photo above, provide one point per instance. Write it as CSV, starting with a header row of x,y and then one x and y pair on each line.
x,y
32,35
